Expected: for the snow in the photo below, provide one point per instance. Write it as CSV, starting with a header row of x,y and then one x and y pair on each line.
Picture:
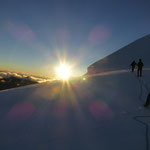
x,y
96,113
99,111
122,58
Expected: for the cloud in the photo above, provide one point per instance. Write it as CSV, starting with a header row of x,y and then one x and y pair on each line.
x,y
7,74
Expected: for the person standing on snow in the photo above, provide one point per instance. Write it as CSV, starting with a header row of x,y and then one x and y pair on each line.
x,y
133,64
140,66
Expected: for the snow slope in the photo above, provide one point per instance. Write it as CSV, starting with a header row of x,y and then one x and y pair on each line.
x,y
102,111
122,58
92,114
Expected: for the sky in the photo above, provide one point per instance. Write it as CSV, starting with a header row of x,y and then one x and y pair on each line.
x,y
35,35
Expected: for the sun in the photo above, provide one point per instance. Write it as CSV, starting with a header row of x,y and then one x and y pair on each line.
x,y
64,72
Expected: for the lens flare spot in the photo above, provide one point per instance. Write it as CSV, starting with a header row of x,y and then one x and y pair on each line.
x,y
21,111
84,79
100,110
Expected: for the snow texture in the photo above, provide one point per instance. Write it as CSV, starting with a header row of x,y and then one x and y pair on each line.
x,y
99,112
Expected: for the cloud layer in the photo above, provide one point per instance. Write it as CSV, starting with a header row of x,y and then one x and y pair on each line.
x,y
5,74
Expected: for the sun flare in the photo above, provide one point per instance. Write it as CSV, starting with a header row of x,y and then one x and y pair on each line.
x,y
64,72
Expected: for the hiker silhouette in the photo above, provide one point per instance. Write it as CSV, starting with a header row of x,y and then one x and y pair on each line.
x,y
133,64
140,66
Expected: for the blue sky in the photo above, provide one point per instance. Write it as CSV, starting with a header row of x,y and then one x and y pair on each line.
x,y
33,33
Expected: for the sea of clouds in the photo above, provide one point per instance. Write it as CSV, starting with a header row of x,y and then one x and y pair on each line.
x,y
7,74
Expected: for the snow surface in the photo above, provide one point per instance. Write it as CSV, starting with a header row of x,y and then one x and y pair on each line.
x,y
122,58
102,111
96,113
